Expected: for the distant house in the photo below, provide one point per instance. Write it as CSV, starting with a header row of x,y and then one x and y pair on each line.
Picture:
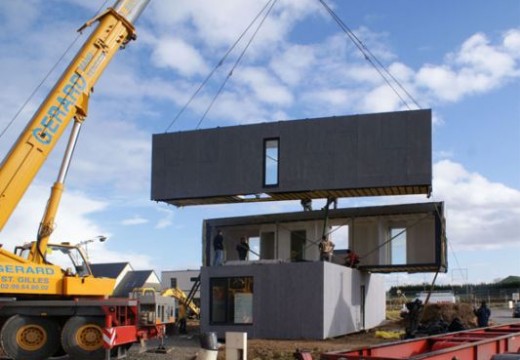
x,y
137,279
111,270
181,279
126,277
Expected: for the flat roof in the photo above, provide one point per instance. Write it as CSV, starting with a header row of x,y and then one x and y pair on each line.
x,y
401,209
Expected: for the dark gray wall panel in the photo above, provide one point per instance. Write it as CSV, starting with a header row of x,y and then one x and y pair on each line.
x,y
283,296
297,300
337,153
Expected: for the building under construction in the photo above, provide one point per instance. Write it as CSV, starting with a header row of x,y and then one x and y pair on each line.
x,y
282,281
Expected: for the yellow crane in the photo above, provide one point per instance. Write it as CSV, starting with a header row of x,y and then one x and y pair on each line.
x,y
28,274
66,103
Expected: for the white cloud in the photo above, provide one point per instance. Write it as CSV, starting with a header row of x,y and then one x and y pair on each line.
x,y
221,24
481,213
380,99
264,86
73,224
134,220
112,153
167,218
335,98
179,55
512,42
72,220
101,253
477,67
293,64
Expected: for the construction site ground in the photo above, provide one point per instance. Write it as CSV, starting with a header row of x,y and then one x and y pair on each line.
x,y
186,347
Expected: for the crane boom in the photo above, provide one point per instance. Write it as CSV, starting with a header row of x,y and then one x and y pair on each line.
x,y
50,302
66,101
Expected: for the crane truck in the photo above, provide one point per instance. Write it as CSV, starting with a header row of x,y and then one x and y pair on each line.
x,y
50,303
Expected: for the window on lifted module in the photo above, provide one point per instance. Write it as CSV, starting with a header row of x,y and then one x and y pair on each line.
x,y
231,300
271,162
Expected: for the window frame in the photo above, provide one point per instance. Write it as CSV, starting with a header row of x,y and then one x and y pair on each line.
x,y
227,306
265,163
402,235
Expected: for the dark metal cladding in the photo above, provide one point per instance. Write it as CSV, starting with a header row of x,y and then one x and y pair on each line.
x,y
343,156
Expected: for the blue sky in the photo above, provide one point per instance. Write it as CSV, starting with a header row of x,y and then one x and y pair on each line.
x,y
461,59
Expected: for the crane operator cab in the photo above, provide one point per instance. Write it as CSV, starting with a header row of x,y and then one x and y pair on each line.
x,y
64,270
69,258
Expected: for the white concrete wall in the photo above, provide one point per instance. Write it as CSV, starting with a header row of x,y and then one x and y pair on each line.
x,y
340,313
313,234
375,299
342,300
371,236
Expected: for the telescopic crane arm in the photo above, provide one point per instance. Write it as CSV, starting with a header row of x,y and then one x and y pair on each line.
x,y
66,101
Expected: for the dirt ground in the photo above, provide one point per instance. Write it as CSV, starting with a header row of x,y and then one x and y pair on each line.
x,y
186,347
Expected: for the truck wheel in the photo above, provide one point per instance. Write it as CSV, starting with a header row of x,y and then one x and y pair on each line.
x,y
82,337
29,338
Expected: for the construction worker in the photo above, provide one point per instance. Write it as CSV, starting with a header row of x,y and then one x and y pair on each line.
x,y
352,259
242,248
482,313
218,248
326,248
306,204
182,318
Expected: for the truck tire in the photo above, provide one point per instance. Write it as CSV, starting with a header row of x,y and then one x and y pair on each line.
x,y
82,337
29,338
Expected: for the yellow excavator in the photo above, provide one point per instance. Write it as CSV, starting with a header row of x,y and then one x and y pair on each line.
x,y
33,272
180,295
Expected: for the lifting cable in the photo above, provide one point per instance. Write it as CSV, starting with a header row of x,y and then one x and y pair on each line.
x,y
315,242
37,88
269,4
236,63
371,58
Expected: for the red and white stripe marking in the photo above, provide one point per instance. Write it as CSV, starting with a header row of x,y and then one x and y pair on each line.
x,y
109,337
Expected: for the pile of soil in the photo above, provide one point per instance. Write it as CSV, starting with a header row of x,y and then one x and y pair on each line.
x,y
447,312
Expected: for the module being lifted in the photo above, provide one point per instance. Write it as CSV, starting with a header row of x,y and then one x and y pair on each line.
x,y
340,156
